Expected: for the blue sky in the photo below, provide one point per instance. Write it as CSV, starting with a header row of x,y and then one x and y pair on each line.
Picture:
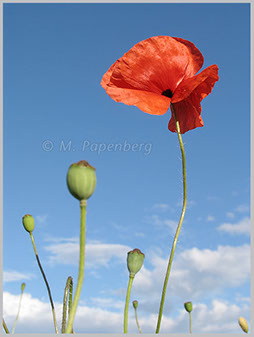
x,y
54,59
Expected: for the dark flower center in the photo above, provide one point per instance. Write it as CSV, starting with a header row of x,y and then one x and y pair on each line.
x,y
167,93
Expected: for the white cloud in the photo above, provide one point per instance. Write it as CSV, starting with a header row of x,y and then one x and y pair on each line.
x,y
36,317
210,218
220,317
107,303
14,276
241,227
97,254
195,274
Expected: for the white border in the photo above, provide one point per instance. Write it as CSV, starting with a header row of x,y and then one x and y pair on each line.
x,y
252,156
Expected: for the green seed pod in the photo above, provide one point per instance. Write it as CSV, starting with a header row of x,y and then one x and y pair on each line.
x,y
135,304
243,324
23,287
28,223
188,306
135,261
81,180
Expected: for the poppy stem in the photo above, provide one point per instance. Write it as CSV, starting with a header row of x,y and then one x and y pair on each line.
x,y
17,317
5,327
190,321
179,224
136,316
127,301
46,282
81,266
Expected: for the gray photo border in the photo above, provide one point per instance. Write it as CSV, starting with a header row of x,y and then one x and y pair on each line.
x,y
2,2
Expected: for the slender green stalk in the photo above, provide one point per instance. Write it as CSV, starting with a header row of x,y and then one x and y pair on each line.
x,y
81,266
20,299
136,316
179,224
190,320
46,282
5,327
127,301
67,291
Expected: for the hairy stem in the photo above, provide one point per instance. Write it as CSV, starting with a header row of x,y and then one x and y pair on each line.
x,y
136,316
46,282
5,327
179,224
81,266
190,321
127,301
15,323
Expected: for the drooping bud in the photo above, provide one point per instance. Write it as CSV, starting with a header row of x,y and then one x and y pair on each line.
x,y
188,306
135,304
23,287
135,261
28,223
243,324
81,180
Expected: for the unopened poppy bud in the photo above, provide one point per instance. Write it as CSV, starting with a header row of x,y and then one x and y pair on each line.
x,y
135,304
28,222
135,261
243,324
23,287
81,180
188,306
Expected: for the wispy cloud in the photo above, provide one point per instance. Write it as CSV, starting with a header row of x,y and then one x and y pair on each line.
x,y
108,303
139,234
210,218
14,276
242,209
41,219
241,227
161,207
156,220
98,254
190,203
230,215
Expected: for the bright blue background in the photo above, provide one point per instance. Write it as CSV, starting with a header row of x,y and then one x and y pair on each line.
x,y
54,58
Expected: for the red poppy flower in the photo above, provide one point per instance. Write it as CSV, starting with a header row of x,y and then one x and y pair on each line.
x,y
159,71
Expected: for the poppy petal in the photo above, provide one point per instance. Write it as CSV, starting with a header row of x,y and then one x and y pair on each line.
x,y
202,82
122,92
188,114
196,58
148,102
156,64
187,98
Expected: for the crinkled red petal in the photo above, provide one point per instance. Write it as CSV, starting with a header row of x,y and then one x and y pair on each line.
x,y
146,101
196,59
204,82
187,98
149,68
